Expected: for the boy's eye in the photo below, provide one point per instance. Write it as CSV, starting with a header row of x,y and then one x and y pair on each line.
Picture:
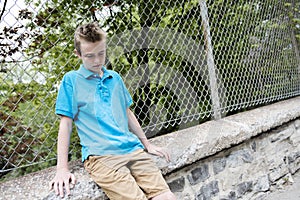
x,y
89,56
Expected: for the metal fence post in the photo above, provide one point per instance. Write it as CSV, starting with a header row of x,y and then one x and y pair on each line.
x,y
294,40
210,62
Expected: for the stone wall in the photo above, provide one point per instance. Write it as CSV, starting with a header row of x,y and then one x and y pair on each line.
x,y
243,156
249,170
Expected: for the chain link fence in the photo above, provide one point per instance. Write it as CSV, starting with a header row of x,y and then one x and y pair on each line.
x,y
184,62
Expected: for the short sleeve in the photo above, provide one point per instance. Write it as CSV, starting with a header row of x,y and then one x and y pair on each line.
x,y
127,96
65,99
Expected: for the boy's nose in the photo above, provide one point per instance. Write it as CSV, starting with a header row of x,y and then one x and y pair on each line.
x,y
98,59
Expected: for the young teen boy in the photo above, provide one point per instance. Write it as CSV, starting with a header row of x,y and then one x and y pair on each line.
x,y
113,142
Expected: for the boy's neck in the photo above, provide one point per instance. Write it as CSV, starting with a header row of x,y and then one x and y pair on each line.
x,y
101,72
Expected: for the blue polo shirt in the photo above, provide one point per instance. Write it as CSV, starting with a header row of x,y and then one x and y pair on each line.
x,y
98,108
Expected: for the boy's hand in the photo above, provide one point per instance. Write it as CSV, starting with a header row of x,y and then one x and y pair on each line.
x,y
155,150
62,179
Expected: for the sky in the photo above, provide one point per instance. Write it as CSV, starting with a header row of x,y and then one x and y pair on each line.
x,y
19,71
11,12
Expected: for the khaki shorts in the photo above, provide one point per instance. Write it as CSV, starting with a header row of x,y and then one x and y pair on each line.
x,y
132,176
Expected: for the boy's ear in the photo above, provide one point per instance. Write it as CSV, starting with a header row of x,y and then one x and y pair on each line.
x,y
77,53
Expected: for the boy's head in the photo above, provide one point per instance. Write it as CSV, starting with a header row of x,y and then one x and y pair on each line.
x,y
90,46
88,32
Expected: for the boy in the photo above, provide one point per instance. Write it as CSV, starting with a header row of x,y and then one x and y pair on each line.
x,y
97,100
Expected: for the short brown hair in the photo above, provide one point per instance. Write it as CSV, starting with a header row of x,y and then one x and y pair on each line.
x,y
90,32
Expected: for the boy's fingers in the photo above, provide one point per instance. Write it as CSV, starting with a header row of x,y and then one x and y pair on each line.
x,y
51,185
67,186
163,153
73,179
167,156
55,188
61,189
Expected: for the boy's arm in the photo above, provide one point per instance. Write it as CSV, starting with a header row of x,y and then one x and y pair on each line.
x,y
135,127
63,176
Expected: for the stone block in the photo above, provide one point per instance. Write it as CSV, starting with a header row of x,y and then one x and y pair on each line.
x,y
177,185
240,157
295,137
198,174
262,184
278,172
293,157
282,133
244,187
231,196
208,191
294,162
219,165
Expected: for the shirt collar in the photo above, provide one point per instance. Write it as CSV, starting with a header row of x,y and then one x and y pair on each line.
x,y
87,73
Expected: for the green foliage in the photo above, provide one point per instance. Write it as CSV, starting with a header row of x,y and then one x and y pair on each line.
x,y
250,41
241,32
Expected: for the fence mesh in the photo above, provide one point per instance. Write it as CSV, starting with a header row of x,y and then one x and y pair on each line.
x,y
184,62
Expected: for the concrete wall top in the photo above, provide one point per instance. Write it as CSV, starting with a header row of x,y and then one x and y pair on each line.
x,y
191,144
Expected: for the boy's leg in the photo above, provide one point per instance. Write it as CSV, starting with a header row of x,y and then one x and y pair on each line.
x,y
165,196
114,178
149,177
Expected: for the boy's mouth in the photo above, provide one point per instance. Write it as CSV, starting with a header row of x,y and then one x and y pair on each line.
x,y
97,66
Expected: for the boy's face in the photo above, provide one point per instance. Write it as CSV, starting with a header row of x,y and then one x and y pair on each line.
x,y
93,55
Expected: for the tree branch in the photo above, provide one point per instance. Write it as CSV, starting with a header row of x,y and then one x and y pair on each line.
x,y
3,9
